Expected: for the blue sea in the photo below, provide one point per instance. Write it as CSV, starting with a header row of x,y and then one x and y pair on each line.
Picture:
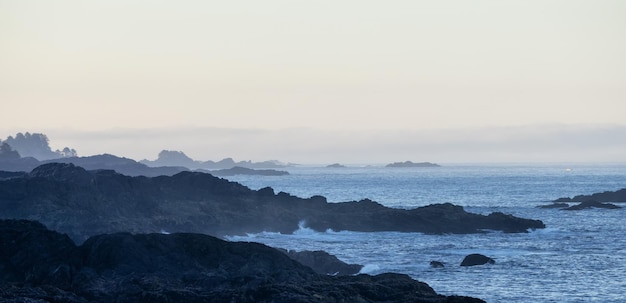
x,y
579,257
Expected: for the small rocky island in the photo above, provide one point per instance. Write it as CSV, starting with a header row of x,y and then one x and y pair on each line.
x,y
412,164
607,196
82,203
335,165
40,265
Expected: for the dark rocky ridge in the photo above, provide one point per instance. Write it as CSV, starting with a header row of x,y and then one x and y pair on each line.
x,y
84,203
38,265
607,196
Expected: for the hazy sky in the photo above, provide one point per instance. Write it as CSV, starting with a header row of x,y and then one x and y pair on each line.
x,y
315,81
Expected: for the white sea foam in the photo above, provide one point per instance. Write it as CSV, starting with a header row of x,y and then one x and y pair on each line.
x,y
369,269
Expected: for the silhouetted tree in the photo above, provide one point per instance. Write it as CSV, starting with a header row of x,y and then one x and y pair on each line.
x,y
36,145
7,153
67,152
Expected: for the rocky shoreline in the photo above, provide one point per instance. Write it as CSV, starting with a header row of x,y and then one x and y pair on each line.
x,y
39,265
82,203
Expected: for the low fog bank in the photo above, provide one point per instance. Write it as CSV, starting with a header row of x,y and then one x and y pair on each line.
x,y
545,143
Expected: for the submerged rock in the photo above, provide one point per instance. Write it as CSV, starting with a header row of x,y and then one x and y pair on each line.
x,y
592,204
39,265
436,264
477,259
554,205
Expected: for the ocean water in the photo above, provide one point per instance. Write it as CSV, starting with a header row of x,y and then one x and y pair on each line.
x,y
579,257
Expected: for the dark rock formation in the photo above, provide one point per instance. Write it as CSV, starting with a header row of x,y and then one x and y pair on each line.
x,y
554,205
323,263
592,204
238,170
411,164
477,259
436,264
83,203
38,265
607,196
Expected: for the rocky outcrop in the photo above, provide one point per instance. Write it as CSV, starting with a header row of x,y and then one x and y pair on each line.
x,y
477,259
84,203
323,263
607,196
592,204
39,265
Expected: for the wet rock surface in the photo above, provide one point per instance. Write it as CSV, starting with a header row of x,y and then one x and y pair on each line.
x,y
477,259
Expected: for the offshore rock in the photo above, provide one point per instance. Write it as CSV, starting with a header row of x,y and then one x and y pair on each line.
x,y
477,259
39,265
412,164
607,196
84,203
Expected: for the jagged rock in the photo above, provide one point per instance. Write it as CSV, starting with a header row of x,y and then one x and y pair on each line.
x,y
477,259
323,263
85,203
177,268
592,204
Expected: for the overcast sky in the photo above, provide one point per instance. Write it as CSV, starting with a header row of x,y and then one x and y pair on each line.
x,y
319,81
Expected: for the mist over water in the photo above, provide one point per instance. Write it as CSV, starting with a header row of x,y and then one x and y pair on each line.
x,y
579,257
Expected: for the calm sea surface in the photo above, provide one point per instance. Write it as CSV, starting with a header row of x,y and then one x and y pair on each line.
x,y
579,257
